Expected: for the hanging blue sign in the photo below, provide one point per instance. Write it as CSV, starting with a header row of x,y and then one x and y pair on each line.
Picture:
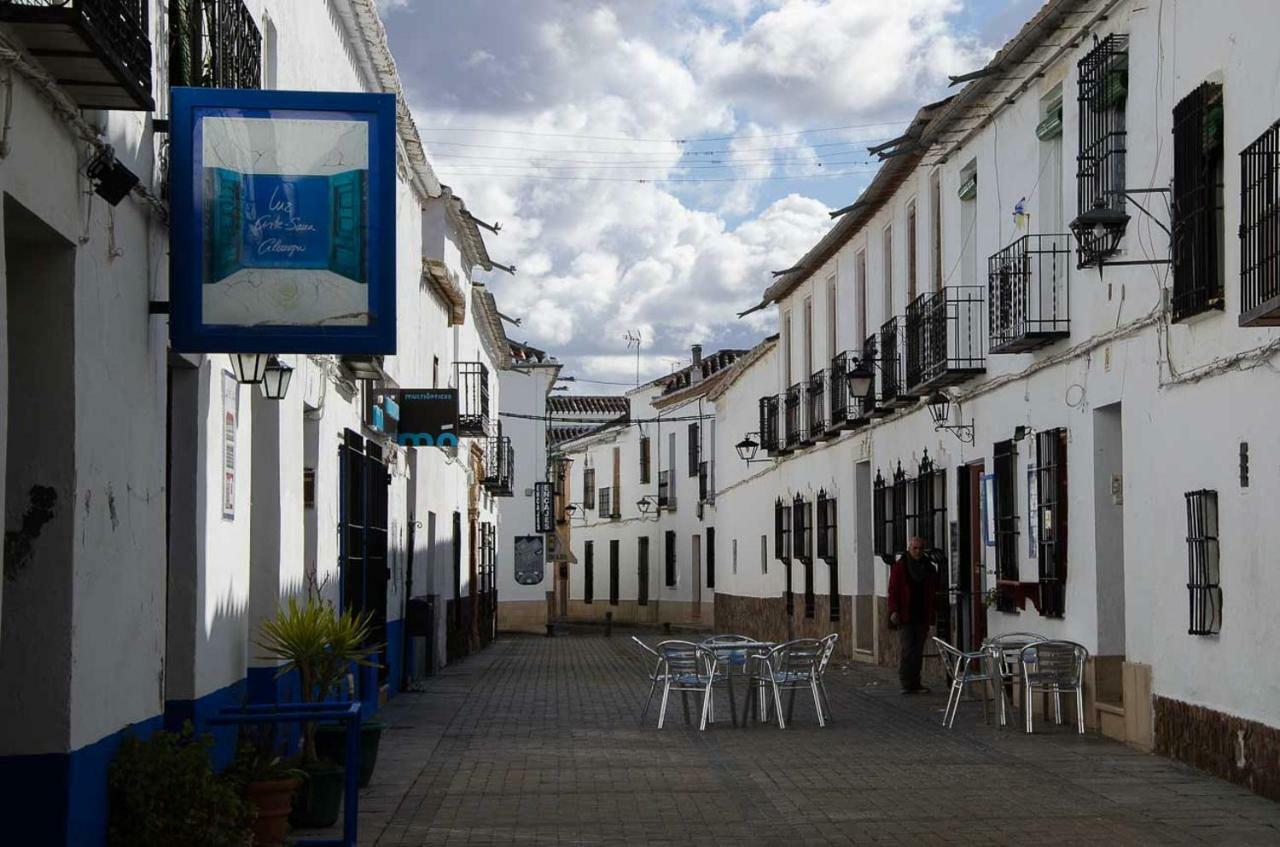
x,y
283,222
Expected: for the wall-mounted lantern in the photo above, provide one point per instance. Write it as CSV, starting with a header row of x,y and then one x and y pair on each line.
x,y
249,368
747,449
940,411
275,379
860,377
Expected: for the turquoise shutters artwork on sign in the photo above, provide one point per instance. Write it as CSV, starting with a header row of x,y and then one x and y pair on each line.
x,y
284,227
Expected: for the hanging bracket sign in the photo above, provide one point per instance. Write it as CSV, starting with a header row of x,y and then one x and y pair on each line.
x,y
283,222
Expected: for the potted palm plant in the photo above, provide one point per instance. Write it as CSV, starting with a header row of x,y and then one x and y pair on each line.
x,y
267,782
313,639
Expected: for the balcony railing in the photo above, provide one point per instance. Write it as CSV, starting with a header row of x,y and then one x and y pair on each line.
x,y
499,462
841,364
944,338
769,424
793,414
815,417
892,348
473,398
1029,293
98,50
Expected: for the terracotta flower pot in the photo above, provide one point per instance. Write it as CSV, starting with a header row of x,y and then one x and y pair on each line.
x,y
273,801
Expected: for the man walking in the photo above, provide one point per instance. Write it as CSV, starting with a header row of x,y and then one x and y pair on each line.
x,y
913,581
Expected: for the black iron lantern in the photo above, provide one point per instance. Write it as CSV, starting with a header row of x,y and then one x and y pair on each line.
x,y
860,377
275,379
570,510
644,504
249,368
747,448
940,408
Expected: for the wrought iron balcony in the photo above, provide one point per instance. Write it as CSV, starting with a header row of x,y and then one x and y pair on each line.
x,y
872,405
896,388
769,424
472,379
98,51
499,462
944,338
214,44
793,415
1029,293
816,408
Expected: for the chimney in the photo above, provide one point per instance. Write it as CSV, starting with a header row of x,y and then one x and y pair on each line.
x,y
695,372
697,354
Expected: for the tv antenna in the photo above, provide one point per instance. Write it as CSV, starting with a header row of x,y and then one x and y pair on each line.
x,y
634,339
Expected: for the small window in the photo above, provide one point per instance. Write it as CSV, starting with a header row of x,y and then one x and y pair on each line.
x,y
695,451
764,554
735,557
645,460
711,557
606,502
1202,563
671,558
588,571
588,488
308,488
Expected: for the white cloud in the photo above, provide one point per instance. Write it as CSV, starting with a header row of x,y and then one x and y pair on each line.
x,y
599,257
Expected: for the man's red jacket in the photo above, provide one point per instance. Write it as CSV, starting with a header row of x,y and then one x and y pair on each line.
x,y
900,587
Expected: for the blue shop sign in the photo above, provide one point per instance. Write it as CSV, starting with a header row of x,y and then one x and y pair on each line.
x,y
283,222
428,417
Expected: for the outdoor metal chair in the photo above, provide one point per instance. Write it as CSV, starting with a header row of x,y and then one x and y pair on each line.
x,y
1056,667
655,674
828,650
686,667
790,667
964,668
1005,651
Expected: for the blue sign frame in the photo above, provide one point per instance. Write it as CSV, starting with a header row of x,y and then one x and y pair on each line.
x,y
330,234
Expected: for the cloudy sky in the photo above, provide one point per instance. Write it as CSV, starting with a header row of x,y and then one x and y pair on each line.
x,y
651,161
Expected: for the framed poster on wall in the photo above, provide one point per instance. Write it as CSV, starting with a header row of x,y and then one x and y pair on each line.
x,y
230,422
283,222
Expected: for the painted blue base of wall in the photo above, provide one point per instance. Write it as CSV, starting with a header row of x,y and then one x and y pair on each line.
x,y
393,655
177,712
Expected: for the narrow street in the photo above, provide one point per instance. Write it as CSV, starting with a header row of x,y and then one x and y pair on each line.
x,y
534,741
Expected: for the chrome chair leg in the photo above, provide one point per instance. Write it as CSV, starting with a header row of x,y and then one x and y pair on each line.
x,y
662,710
653,687
1080,710
777,703
817,701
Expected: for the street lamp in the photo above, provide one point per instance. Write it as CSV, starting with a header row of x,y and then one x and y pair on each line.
x,y
249,368
940,410
645,504
860,378
275,379
747,449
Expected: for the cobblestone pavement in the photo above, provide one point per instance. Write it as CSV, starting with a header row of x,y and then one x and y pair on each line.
x,y
535,741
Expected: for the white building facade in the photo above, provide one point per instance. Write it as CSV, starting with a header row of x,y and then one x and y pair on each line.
x,y
1071,251
159,510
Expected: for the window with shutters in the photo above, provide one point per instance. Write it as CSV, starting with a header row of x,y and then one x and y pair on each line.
x,y
1203,577
646,461
1198,284
1006,518
1050,474
802,547
902,505
929,518
671,558
588,488
782,516
605,500
694,448
588,571
711,557
613,571
881,499
826,541
642,570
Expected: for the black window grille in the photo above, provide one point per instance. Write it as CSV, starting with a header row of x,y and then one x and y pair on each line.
x,y
891,364
943,339
704,481
670,560
214,44
802,539
827,543
931,503
613,571
646,461
1100,173
606,502
695,448
1051,495
588,571
881,507
1202,563
1197,202
588,488
781,531
1260,230
666,490
841,364
1006,518
544,516
642,570
902,515
769,424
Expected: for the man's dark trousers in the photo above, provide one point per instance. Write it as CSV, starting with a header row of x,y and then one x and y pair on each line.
x,y
911,639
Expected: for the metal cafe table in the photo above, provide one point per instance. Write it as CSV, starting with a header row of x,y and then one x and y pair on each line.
x,y
736,652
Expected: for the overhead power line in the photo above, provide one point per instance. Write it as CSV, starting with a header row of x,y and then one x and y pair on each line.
x,y
832,175
521,149
700,166
680,162
641,140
